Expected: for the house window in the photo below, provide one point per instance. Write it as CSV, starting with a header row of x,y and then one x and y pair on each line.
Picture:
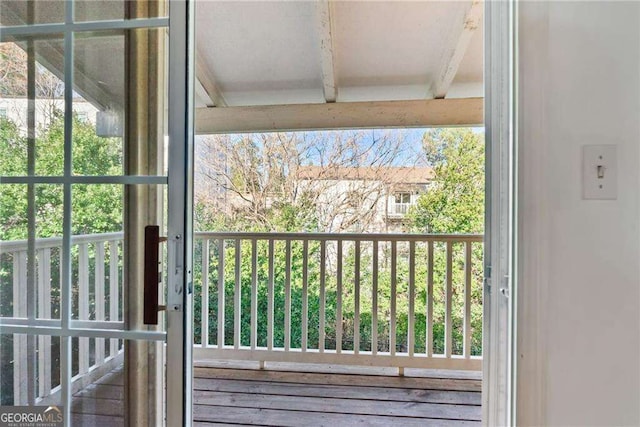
x,y
354,199
403,201
403,198
3,113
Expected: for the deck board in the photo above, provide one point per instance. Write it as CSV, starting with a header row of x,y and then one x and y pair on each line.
x,y
421,383
273,417
333,391
225,396
338,405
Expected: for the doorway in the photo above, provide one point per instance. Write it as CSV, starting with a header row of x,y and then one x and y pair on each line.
x,y
233,100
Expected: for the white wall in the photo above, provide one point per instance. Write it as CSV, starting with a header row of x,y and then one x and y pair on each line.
x,y
579,323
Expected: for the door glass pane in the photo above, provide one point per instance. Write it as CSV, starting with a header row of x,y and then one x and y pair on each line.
x,y
14,251
101,92
45,123
101,10
21,12
21,354
98,399
48,249
96,252
98,245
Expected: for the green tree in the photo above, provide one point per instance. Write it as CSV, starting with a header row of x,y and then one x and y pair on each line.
x,y
454,202
96,208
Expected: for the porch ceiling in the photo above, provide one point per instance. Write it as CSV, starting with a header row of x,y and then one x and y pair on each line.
x,y
275,53
296,52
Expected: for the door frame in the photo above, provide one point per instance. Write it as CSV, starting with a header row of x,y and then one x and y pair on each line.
x,y
500,287
180,208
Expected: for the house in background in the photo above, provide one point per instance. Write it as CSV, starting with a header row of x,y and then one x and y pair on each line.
x,y
364,199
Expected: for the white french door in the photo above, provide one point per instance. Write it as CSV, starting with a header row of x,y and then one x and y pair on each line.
x,y
96,114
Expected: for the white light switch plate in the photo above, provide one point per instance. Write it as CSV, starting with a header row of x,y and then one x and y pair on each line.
x,y
599,172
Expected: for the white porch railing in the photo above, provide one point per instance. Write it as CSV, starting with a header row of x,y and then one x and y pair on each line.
x,y
397,300
401,208
96,289
357,299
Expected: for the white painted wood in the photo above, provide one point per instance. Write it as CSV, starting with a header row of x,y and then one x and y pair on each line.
x,y
467,299
430,299
237,296
323,266
339,291
289,372
394,283
456,49
114,291
221,296
535,245
20,373
270,305
327,58
305,294
341,115
344,358
412,297
56,242
383,237
254,293
287,297
356,300
448,325
206,79
374,299
204,293
99,299
201,95
83,305
44,312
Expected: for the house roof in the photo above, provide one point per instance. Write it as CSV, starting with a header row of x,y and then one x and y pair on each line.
x,y
389,174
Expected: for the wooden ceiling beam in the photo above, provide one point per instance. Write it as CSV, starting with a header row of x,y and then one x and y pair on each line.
x,y
327,61
457,48
341,115
208,84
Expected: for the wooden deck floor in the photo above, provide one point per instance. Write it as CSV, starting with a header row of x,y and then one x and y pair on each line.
x,y
100,404
232,396
285,398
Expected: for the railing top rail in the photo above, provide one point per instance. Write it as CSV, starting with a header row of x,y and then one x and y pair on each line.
x,y
381,237
54,242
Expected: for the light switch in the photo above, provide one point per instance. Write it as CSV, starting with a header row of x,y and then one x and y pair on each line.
x,y
599,172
